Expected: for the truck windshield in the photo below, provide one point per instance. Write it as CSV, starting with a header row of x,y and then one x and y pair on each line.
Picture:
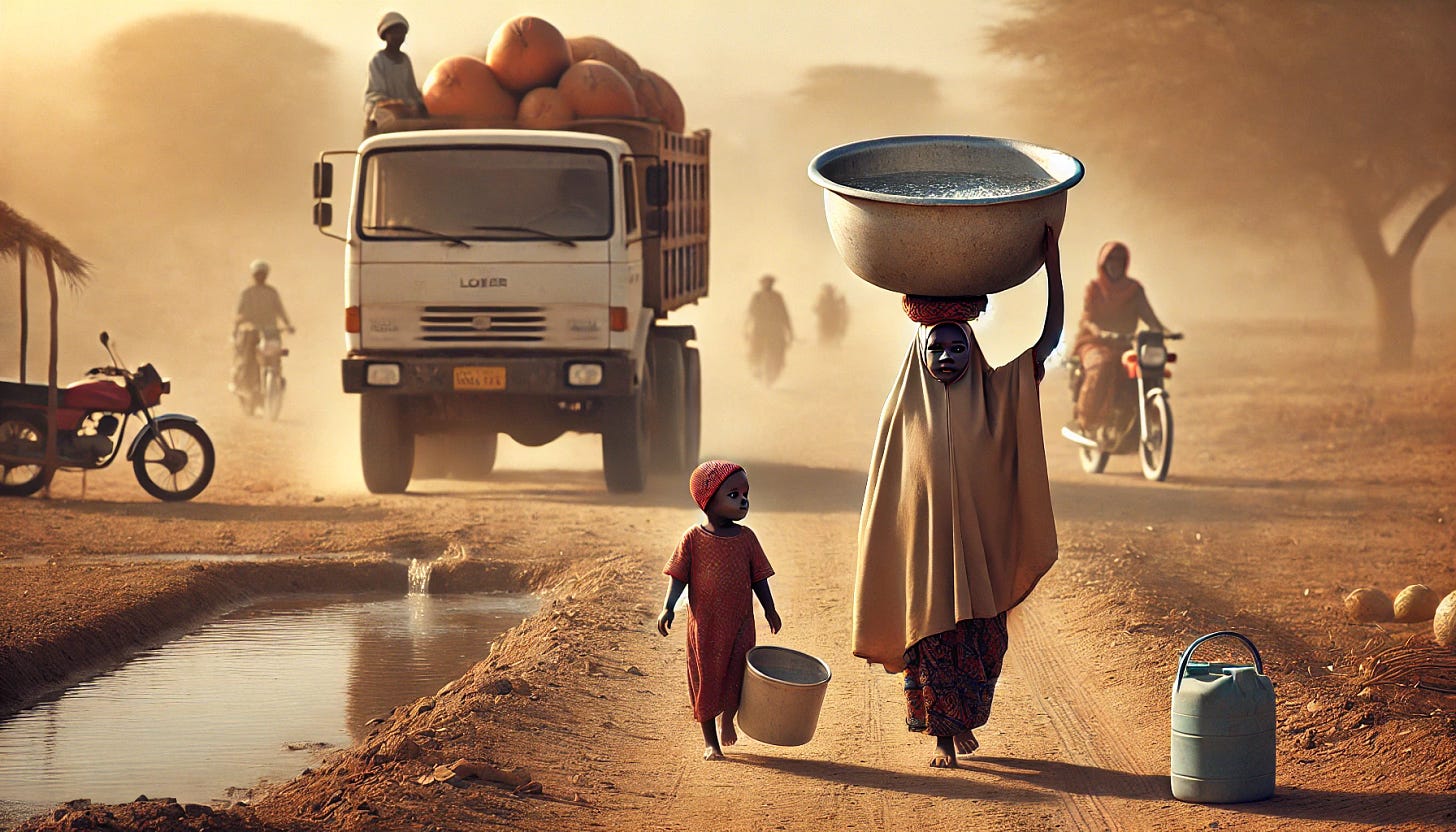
x,y
487,193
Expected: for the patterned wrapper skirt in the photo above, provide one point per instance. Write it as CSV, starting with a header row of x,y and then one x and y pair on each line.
x,y
950,677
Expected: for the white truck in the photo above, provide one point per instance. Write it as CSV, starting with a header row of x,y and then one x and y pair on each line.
x,y
518,281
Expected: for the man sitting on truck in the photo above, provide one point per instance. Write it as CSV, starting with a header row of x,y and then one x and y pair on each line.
x,y
392,91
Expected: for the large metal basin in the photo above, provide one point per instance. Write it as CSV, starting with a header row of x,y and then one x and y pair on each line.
x,y
977,240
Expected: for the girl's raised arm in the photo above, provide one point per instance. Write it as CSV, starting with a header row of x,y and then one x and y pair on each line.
x,y
1051,333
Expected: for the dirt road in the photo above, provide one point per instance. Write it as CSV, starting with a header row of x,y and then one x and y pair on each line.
x,y
1289,488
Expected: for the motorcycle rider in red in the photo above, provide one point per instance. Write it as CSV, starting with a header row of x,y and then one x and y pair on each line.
x,y
1113,302
260,309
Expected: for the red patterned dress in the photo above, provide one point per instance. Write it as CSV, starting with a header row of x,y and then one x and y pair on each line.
x,y
720,573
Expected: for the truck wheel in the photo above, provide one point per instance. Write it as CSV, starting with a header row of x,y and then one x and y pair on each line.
x,y
386,443
432,456
475,455
624,443
669,407
693,410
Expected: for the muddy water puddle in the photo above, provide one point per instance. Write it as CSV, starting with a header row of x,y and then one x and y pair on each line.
x,y
250,696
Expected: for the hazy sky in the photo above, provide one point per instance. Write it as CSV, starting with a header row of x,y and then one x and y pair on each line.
x,y
745,45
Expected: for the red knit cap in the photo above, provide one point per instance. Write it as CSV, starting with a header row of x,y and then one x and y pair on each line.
x,y
707,477
931,311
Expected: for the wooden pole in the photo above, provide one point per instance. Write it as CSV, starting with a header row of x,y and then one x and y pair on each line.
x,y
24,311
52,456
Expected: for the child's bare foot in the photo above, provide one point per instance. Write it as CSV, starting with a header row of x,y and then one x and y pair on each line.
x,y
730,735
966,743
711,749
945,754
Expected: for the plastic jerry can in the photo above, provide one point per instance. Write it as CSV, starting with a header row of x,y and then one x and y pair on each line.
x,y
1223,729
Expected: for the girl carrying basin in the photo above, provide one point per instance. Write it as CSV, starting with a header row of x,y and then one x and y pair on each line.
x,y
957,524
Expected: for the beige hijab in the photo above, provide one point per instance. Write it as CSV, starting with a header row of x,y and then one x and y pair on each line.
x,y
957,520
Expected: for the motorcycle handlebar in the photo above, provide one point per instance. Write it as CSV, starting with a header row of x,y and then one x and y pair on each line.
x,y
1129,336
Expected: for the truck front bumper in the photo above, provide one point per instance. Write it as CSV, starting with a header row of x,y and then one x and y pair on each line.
x,y
536,376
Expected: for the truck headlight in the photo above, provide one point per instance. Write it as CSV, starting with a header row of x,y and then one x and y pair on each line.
x,y
583,375
382,375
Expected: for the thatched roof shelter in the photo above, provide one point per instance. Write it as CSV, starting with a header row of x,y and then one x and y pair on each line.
x,y
19,238
19,235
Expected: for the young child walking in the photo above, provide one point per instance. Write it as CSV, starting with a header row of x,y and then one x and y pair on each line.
x,y
725,566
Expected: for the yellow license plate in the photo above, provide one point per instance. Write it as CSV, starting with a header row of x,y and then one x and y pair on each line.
x,y
480,378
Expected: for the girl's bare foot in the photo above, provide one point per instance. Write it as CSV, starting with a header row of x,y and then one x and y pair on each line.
x,y
966,743
711,753
730,736
945,754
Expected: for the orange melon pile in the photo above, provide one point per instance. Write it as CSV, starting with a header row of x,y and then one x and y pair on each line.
x,y
534,76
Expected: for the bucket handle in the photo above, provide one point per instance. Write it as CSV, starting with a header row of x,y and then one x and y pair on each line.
x,y
1188,654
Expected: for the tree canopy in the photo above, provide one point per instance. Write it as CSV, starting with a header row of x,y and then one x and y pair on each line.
x,y
1329,117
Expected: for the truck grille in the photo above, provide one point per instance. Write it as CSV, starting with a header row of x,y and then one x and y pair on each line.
x,y
482,324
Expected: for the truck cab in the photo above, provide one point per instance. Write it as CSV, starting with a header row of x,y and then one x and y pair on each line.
x,y
513,281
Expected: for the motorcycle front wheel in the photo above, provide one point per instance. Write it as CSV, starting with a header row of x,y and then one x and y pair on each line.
x,y
1093,460
176,461
272,393
1156,450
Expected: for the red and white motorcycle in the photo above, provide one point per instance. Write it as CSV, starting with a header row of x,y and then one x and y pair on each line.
x,y
1141,419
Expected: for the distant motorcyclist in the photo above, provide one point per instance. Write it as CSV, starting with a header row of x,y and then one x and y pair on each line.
x,y
770,332
1113,302
260,310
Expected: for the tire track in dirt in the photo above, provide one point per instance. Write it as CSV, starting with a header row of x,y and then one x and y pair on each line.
x,y
1099,742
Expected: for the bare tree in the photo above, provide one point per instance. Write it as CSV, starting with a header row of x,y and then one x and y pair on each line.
x,y
1312,115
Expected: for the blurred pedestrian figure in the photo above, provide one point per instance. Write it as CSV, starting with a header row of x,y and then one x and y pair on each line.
x,y
833,312
769,331
1112,305
392,91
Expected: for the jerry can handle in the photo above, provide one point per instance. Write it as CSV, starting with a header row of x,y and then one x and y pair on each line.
x,y
1188,654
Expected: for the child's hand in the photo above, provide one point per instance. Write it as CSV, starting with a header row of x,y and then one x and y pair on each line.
x,y
774,622
664,622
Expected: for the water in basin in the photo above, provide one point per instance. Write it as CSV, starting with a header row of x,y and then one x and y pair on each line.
x,y
942,184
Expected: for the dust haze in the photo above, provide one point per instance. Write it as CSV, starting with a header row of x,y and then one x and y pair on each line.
x,y
170,145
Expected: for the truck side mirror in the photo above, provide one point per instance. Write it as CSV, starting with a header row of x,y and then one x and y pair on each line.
x,y
655,221
323,214
656,194
323,180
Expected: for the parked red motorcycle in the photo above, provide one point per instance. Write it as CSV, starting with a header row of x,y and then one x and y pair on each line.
x,y
171,455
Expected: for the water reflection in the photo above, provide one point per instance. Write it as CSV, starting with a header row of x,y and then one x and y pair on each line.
x,y
220,706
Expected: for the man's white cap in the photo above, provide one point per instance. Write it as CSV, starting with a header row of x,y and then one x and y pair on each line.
x,y
258,266
390,19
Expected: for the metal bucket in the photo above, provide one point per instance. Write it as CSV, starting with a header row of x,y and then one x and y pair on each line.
x,y
783,690
979,240
1222,729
